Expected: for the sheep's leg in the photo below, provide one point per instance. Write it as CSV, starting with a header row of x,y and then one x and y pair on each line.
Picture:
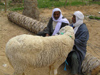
x,y
57,64
55,71
18,73
19,68
52,70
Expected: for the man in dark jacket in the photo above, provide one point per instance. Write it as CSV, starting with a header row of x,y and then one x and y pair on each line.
x,y
77,55
56,22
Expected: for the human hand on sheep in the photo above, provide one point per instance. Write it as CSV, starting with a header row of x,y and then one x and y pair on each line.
x,y
47,35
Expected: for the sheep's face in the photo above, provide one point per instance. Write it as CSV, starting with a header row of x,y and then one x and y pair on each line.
x,y
62,31
67,30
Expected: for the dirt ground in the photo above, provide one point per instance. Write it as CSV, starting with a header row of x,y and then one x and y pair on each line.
x,y
9,30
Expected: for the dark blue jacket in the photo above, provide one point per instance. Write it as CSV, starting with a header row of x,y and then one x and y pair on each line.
x,y
81,38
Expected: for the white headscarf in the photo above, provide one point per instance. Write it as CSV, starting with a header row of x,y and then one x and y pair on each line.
x,y
59,20
79,20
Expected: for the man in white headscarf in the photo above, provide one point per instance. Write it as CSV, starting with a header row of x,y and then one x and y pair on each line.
x,y
77,55
56,22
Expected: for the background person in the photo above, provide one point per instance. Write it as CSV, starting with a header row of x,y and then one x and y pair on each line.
x,y
56,22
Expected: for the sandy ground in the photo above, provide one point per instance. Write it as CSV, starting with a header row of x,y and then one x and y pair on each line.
x,y
9,30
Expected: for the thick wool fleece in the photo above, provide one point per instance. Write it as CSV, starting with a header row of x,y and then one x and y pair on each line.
x,y
25,51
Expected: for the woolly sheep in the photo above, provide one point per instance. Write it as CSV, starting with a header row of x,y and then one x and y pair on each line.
x,y
26,51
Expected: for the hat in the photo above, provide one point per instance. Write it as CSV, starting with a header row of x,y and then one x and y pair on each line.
x,y
79,15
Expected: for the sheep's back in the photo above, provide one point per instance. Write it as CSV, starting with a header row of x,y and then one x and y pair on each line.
x,y
24,43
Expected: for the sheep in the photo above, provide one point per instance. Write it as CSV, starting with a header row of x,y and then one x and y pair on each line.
x,y
26,51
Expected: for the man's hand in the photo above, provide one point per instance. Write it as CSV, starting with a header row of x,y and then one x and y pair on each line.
x,y
47,34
